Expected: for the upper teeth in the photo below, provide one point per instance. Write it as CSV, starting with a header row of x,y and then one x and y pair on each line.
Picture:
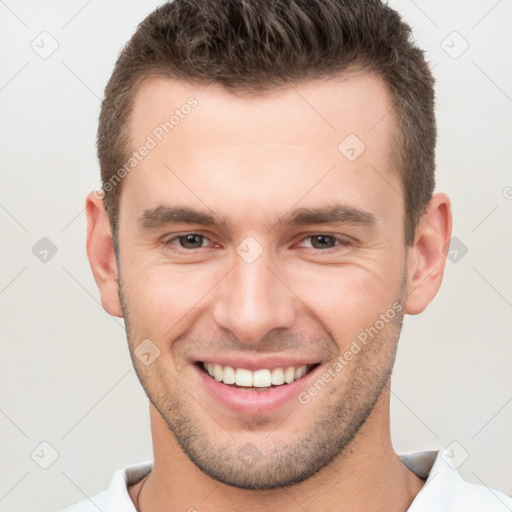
x,y
260,378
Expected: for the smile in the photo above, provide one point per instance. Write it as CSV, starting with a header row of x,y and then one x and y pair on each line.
x,y
259,380
253,384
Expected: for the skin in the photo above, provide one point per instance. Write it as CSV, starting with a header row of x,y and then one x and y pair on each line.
x,y
250,162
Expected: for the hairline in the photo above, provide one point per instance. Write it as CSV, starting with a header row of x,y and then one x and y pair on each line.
x,y
396,135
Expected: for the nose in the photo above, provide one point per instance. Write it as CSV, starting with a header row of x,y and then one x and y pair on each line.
x,y
252,300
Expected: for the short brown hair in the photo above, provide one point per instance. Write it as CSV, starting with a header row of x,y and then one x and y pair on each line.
x,y
253,46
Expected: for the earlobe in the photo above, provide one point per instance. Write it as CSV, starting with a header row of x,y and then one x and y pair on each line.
x,y
427,257
100,251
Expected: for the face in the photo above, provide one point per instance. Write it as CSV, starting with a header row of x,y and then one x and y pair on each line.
x,y
262,255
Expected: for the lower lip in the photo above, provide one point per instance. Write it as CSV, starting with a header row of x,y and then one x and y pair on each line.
x,y
254,402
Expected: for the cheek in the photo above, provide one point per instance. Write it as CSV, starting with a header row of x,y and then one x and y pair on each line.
x,y
166,297
346,300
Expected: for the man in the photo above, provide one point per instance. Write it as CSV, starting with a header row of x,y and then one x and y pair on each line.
x,y
267,218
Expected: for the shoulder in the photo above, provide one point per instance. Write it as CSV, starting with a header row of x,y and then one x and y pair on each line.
x,y
446,490
468,497
116,498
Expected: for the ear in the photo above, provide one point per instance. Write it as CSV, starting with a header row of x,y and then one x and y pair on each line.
x,y
100,251
427,257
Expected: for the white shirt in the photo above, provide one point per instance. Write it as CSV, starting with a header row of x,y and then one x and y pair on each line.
x,y
444,490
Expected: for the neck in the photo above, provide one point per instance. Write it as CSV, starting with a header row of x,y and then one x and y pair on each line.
x,y
367,476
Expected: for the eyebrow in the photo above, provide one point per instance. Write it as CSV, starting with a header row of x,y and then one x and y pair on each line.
x,y
329,215
163,215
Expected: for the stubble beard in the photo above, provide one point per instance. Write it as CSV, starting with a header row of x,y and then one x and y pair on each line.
x,y
263,465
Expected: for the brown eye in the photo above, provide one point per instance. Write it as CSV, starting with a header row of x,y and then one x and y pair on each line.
x,y
191,241
322,241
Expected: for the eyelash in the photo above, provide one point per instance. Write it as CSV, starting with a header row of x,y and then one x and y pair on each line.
x,y
340,243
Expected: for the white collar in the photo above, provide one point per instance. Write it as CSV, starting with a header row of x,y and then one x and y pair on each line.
x,y
444,488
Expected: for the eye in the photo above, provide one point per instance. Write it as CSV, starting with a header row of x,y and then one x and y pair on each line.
x,y
191,241
324,241
188,241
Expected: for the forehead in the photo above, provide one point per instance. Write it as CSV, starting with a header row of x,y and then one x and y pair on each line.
x,y
320,135
352,102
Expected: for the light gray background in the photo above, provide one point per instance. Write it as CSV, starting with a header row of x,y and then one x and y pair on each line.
x,y
65,374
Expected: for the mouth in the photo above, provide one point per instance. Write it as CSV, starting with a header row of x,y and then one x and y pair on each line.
x,y
258,380
251,387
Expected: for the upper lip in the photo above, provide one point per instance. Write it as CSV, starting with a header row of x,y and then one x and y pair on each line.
x,y
254,362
